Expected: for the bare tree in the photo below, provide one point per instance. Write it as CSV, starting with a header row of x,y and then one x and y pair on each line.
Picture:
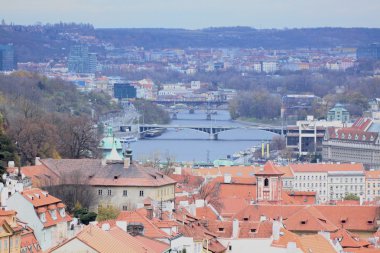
x,y
209,192
72,188
79,137
34,137
278,143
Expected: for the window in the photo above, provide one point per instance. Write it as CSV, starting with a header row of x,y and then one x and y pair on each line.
x,y
125,208
53,214
125,193
266,182
100,192
141,193
109,192
43,217
62,212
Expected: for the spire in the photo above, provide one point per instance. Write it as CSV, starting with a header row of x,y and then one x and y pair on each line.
x,y
114,155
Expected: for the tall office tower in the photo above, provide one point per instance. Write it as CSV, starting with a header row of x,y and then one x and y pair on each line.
x,y
7,59
371,52
81,61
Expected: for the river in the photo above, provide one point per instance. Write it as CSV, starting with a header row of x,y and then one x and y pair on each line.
x,y
192,145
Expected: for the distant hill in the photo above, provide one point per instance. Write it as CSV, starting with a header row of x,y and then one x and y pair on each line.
x,y
38,43
241,37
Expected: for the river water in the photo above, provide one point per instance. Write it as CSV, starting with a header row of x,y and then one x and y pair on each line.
x,y
191,145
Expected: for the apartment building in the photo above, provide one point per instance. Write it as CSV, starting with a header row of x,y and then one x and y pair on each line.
x,y
329,181
372,185
359,143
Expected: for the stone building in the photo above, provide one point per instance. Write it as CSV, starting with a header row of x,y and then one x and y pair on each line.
x,y
359,143
124,184
338,113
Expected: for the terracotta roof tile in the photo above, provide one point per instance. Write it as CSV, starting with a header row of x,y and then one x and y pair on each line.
x,y
320,167
348,239
316,243
150,230
269,169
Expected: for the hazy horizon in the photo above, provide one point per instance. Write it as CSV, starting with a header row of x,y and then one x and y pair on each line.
x,y
197,14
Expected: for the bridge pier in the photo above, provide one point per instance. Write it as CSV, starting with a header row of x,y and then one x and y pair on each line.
x,y
214,137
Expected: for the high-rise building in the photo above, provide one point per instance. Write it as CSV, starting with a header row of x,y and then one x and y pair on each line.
x,y
371,52
124,90
7,59
81,61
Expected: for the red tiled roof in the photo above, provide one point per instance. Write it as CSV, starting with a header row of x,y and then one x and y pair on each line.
x,y
348,239
39,197
362,123
309,219
205,213
29,241
41,201
320,167
269,169
356,218
150,230
372,174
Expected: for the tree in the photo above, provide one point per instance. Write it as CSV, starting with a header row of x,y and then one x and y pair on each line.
x,y
278,143
73,189
79,137
209,192
351,196
107,213
34,137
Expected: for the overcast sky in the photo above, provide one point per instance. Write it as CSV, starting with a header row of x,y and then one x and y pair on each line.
x,y
196,13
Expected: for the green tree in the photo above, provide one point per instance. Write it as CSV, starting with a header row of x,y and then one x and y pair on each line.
x,y
107,213
351,196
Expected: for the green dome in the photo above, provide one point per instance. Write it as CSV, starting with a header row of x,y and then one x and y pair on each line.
x,y
109,142
111,146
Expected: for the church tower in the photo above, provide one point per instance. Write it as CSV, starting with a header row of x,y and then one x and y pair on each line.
x,y
268,183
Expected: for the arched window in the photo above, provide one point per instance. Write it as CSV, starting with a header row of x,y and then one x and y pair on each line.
x,y
266,182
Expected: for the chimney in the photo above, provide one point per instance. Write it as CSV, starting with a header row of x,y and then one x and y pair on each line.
x,y
149,213
128,158
122,225
235,228
227,178
11,164
37,161
106,227
276,230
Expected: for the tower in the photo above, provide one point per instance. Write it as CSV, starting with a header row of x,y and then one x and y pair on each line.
x,y
269,185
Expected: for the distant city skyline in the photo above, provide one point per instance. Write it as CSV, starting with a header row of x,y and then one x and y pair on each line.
x,y
196,14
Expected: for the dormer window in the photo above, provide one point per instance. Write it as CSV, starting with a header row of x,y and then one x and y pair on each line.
x,y
253,230
303,222
53,214
364,138
245,218
221,229
349,136
372,138
43,217
356,137
370,222
62,212
342,136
